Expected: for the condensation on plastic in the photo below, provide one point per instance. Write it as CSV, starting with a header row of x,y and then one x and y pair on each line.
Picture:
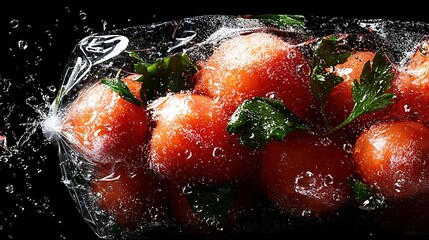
x,y
103,54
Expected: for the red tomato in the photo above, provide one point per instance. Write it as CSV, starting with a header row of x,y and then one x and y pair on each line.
x,y
307,175
190,144
257,64
103,126
412,87
394,157
214,214
340,102
134,198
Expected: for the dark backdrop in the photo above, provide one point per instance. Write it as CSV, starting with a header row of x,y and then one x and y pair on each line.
x,y
36,39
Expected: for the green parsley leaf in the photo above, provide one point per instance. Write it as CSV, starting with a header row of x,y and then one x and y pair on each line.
x,y
260,120
282,20
170,74
117,85
212,202
365,195
326,55
370,94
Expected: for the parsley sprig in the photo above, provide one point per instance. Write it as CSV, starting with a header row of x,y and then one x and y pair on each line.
x,y
326,56
370,93
259,120
118,86
164,75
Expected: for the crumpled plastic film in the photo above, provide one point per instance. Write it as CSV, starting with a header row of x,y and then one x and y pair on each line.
x,y
103,54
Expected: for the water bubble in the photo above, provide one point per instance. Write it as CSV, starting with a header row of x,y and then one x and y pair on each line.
x,y
218,152
48,33
14,23
88,30
9,188
22,44
348,147
291,54
82,15
326,141
306,213
52,88
3,141
104,24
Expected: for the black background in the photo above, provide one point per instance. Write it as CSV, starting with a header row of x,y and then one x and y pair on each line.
x,y
33,200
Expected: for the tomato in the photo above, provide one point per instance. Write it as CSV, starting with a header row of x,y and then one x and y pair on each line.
x,y
190,144
340,102
257,64
104,127
306,174
394,156
133,197
412,87
210,209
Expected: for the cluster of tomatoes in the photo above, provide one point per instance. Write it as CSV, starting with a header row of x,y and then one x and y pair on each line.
x,y
164,160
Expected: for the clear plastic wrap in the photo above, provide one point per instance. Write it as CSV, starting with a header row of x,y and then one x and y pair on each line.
x,y
101,55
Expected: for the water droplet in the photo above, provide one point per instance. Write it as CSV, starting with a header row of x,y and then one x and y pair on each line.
x,y
108,127
325,141
14,23
348,147
48,33
104,24
52,88
22,44
3,141
329,179
88,30
82,15
218,152
291,54
9,188
407,109
306,213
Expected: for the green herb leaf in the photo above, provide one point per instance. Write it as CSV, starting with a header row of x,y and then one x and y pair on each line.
x,y
260,120
282,20
370,94
365,195
118,86
326,55
170,74
212,202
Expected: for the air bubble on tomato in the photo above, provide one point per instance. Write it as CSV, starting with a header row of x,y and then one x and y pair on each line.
x,y
307,175
393,156
190,144
104,127
256,65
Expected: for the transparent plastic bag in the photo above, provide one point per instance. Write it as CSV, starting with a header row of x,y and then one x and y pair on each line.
x,y
101,55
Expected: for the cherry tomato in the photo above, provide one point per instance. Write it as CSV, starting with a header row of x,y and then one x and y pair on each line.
x,y
103,126
412,87
190,144
393,156
340,102
257,64
306,174
133,197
